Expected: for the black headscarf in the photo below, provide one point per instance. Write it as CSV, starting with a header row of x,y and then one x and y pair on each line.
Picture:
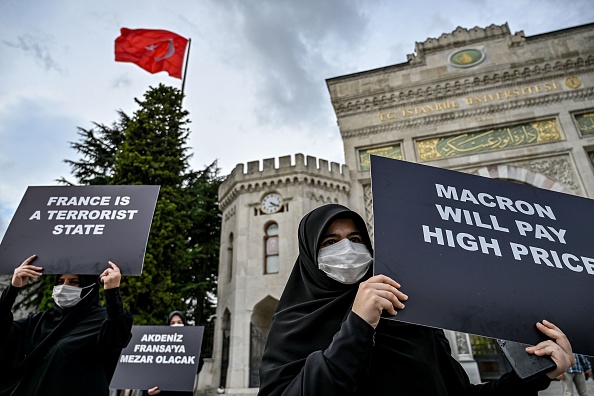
x,y
92,293
200,359
312,306
178,313
407,359
36,334
49,330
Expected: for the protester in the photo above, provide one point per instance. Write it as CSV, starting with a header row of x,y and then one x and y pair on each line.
x,y
577,374
70,349
327,338
175,318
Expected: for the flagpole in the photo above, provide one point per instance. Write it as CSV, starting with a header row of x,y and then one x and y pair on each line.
x,y
186,68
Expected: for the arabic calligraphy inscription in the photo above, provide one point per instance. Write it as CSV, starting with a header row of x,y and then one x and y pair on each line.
x,y
394,152
585,123
489,140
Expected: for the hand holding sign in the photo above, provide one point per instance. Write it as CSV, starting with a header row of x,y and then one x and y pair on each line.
x,y
111,277
26,271
376,294
559,350
100,332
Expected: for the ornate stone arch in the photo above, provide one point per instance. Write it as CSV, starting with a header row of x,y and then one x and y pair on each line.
x,y
521,175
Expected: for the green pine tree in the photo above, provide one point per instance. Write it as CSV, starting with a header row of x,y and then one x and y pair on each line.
x,y
203,239
99,147
154,153
149,148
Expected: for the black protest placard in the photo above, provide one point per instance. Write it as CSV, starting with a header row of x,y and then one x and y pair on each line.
x,y
484,256
163,356
78,229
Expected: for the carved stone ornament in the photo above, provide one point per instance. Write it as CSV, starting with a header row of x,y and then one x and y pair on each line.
x,y
573,82
466,58
368,208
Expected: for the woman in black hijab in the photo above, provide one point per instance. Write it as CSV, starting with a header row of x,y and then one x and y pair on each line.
x,y
175,318
70,349
327,339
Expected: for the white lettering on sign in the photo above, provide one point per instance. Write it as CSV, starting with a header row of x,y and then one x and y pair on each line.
x,y
175,359
136,359
464,240
458,215
79,201
159,348
548,257
541,231
78,229
122,214
500,202
162,337
552,258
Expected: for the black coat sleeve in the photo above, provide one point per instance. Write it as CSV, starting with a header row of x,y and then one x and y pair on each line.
x,y
338,369
116,330
6,318
11,339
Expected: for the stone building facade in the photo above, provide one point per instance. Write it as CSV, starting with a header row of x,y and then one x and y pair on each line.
x,y
482,101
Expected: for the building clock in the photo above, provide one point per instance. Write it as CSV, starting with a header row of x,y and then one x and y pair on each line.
x,y
271,203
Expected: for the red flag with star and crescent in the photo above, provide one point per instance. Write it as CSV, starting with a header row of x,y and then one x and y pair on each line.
x,y
153,50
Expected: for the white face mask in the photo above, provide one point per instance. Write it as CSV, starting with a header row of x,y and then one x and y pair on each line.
x,y
177,324
67,296
345,261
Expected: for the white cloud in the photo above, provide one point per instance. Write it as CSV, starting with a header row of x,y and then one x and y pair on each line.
x,y
256,79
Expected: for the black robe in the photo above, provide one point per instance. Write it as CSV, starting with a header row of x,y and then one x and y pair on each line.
x,y
317,346
72,351
200,359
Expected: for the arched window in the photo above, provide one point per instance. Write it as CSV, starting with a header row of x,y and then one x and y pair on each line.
x,y
271,259
230,258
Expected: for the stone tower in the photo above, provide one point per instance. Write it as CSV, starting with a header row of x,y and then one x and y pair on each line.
x,y
481,100
262,207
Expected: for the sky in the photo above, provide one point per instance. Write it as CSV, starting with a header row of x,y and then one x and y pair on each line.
x,y
257,69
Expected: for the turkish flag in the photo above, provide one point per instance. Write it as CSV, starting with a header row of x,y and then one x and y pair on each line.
x,y
153,50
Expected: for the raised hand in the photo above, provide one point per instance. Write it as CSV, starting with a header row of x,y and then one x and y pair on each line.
x,y
26,271
111,277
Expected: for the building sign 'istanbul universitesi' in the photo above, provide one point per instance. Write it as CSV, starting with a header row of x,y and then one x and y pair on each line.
x,y
534,132
473,102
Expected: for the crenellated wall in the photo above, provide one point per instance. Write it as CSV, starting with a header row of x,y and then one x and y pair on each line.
x,y
462,36
264,175
545,81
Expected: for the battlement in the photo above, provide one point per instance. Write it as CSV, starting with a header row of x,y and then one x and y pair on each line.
x,y
267,167
461,37
266,172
